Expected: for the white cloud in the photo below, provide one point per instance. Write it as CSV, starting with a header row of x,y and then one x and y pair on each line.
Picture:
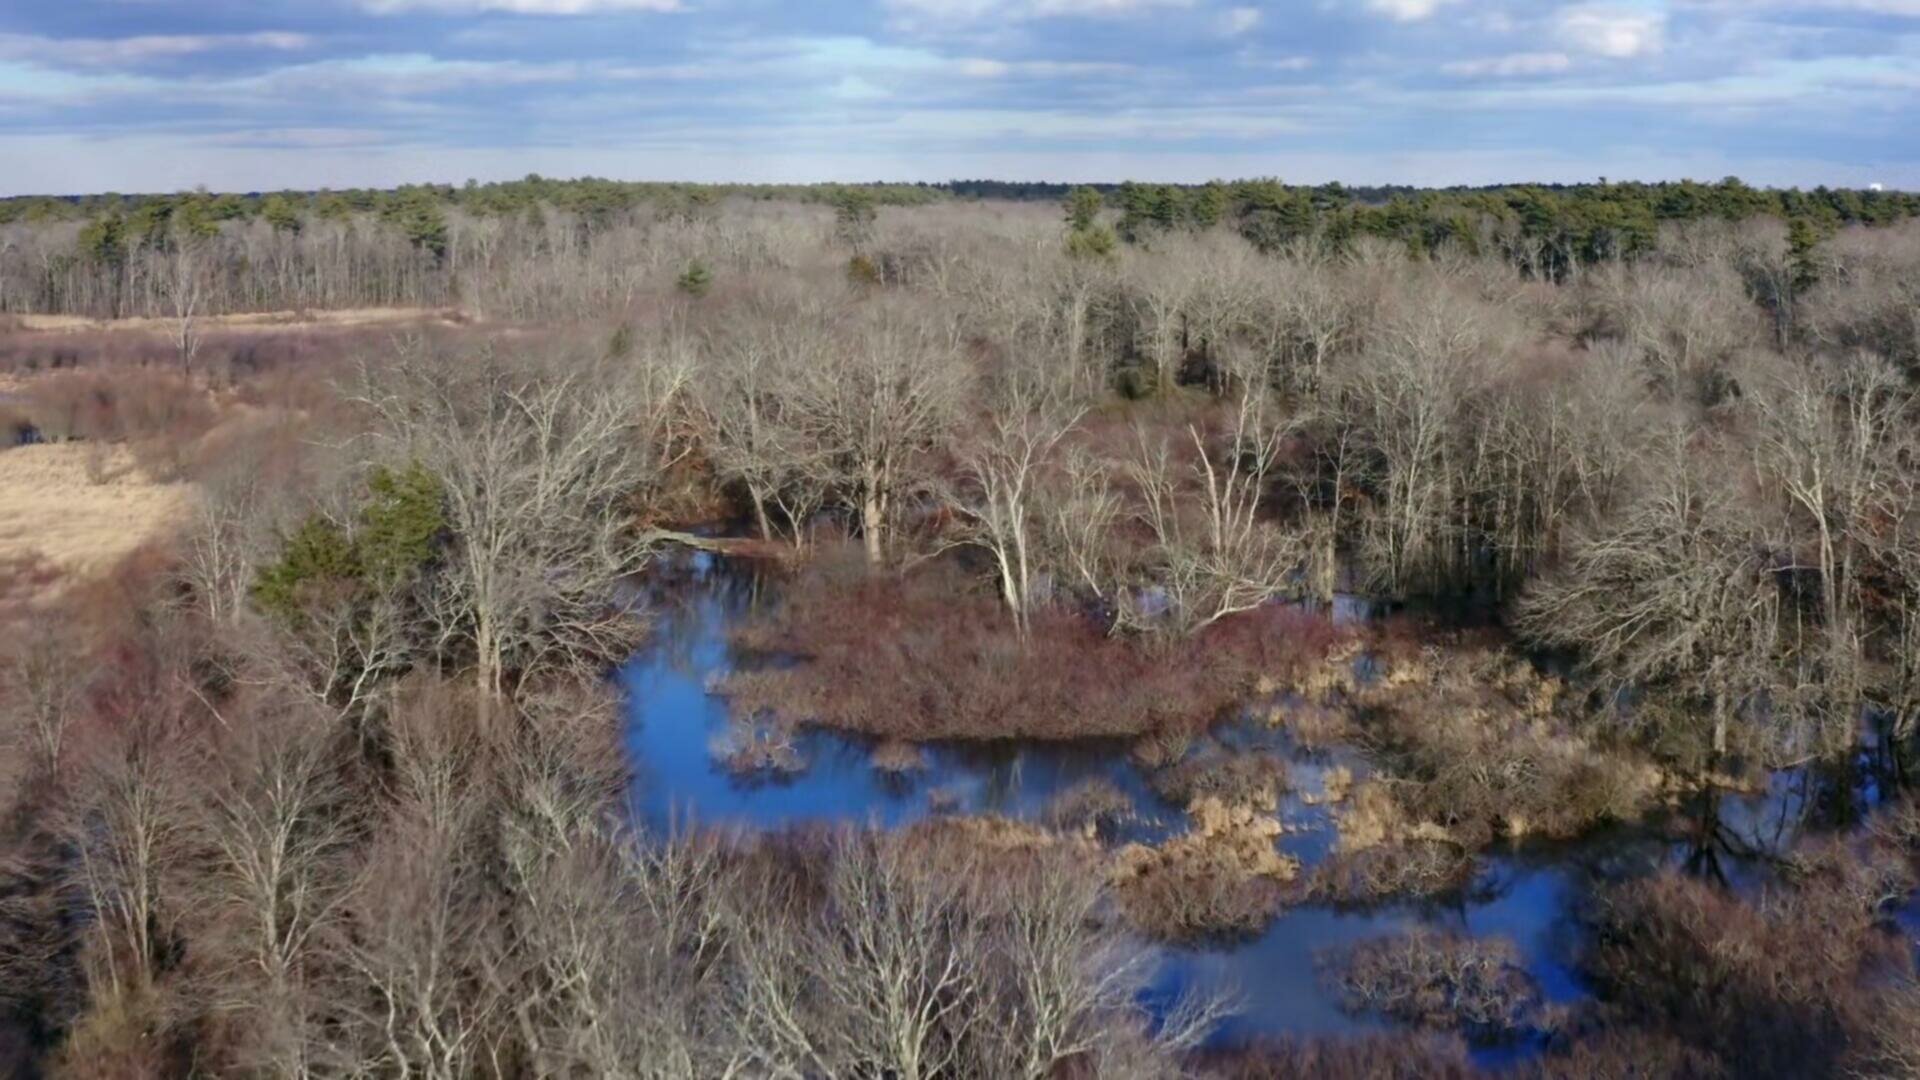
x,y
955,11
1868,7
855,88
145,162
1237,21
1907,8
1406,10
1615,32
519,7
985,68
392,76
1285,63
1515,64
982,68
116,52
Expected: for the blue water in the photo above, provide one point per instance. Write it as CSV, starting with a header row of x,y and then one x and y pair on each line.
x,y
1527,896
675,720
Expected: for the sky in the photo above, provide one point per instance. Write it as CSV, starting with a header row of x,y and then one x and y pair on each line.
x,y
166,95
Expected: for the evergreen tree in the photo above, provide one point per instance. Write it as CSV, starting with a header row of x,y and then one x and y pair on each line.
x,y
853,217
1802,240
280,214
695,280
1083,207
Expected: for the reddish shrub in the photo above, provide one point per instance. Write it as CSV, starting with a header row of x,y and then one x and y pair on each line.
x,y
1777,987
1624,1054
920,657
1381,1057
1476,986
1390,872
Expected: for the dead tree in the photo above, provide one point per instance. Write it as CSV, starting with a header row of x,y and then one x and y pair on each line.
x,y
536,466
755,435
878,402
279,828
1677,596
1214,553
43,683
1002,476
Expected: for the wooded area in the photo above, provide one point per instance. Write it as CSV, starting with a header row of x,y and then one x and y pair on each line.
x,y
329,780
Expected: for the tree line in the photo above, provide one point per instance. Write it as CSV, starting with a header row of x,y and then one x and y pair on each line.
x,y
111,256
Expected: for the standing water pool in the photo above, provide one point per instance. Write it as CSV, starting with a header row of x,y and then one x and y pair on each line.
x,y
675,721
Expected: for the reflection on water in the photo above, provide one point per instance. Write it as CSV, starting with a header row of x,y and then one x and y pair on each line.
x,y
1529,895
675,721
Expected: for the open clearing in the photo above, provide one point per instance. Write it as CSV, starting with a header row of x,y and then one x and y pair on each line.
x,y
350,317
73,510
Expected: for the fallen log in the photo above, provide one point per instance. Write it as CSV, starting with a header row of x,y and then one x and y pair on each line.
x,y
738,547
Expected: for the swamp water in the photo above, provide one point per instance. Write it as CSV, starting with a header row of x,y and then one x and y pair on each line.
x,y
1528,894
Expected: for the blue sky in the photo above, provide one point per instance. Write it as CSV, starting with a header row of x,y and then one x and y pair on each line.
x,y
156,95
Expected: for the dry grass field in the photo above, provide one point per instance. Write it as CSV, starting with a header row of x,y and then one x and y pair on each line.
x,y
351,317
72,510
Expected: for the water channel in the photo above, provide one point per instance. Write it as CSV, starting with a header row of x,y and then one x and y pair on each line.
x,y
1528,894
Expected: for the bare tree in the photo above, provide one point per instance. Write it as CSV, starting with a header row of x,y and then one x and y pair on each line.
x,y
1215,555
227,539
186,287
1687,326
1313,320
279,828
340,653
772,997
43,683
1002,475
414,922
131,832
1827,437
755,436
1079,511
1410,394
877,403
1070,989
1161,288
536,467
417,922
1678,596
897,962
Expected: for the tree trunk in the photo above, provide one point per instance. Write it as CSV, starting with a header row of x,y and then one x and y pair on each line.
x,y
760,513
872,516
1719,725
487,676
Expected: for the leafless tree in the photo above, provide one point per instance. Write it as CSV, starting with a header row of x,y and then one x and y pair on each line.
x,y
612,959
1827,436
417,924
1160,290
1070,987
1686,325
1001,486
1214,554
536,466
229,536
1680,594
43,682
755,435
131,832
897,963
1410,394
186,287
1313,320
876,404
279,828
1079,513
